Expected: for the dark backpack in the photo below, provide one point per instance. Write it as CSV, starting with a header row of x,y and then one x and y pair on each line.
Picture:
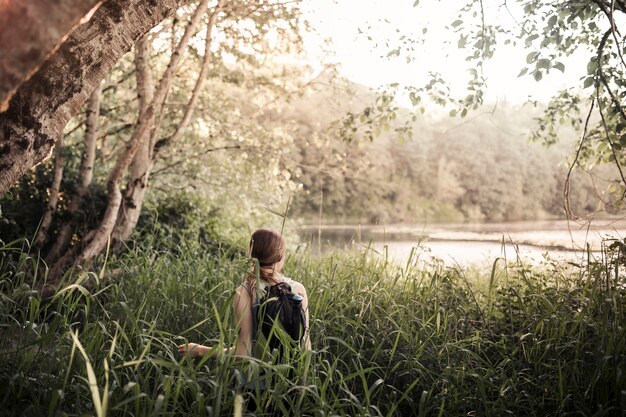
x,y
279,306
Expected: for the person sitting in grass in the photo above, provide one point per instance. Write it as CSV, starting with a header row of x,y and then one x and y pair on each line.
x,y
267,247
264,296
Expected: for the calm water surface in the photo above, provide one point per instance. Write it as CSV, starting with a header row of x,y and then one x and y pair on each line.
x,y
471,243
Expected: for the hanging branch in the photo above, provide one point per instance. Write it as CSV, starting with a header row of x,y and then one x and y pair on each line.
x,y
613,150
603,77
204,152
566,187
615,102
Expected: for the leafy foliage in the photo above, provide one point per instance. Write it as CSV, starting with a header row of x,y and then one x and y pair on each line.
x,y
550,32
553,31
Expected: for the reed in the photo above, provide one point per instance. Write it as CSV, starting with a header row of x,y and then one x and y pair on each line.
x,y
418,339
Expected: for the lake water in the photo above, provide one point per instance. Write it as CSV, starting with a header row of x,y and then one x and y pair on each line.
x,y
469,244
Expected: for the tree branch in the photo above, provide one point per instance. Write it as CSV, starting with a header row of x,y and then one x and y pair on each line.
x,y
204,152
613,151
566,187
189,108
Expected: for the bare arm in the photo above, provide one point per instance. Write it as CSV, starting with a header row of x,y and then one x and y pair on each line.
x,y
196,350
242,304
305,307
243,322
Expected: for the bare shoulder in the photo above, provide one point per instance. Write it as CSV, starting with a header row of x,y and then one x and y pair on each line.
x,y
297,287
241,292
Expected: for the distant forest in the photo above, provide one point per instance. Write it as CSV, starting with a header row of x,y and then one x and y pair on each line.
x,y
281,147
479,168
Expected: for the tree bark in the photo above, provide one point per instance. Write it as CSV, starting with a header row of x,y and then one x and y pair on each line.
x,y
103,233
143,162
85,175
141,166
42,106
53,192
30,31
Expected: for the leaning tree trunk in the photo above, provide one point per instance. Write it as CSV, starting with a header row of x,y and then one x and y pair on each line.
x,y
42,106
143,162
53,192
85,175
102,234
141,166
32,30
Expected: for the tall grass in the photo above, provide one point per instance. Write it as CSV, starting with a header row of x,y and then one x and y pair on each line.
x,y
420,340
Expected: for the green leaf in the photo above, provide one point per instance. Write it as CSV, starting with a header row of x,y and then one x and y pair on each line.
x,y
416,3
522,72
588,82
91,377
532,57
592,66
415,99
552,21
457,23
544,63
559,66
529,40
538,75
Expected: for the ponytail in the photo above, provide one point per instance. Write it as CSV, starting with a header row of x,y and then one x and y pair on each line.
x,y
266,273
267,248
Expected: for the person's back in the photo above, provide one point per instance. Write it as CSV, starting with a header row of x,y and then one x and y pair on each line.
x,y
278,315
267,250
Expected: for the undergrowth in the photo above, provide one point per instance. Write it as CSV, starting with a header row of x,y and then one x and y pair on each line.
x,y
418,339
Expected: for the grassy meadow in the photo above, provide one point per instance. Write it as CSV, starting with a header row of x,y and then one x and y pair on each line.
x,y
388,340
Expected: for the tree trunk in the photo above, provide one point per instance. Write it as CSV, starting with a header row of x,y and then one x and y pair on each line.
x,y
85,175
103,233
42,106
53,192
30,31
142,163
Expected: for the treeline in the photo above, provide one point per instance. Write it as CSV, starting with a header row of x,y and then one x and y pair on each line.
x,y
479,168
240,161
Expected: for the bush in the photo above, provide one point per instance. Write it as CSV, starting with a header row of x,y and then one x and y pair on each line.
x,y
180,220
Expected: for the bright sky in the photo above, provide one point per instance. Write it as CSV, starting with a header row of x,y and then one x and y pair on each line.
x,y
360,60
